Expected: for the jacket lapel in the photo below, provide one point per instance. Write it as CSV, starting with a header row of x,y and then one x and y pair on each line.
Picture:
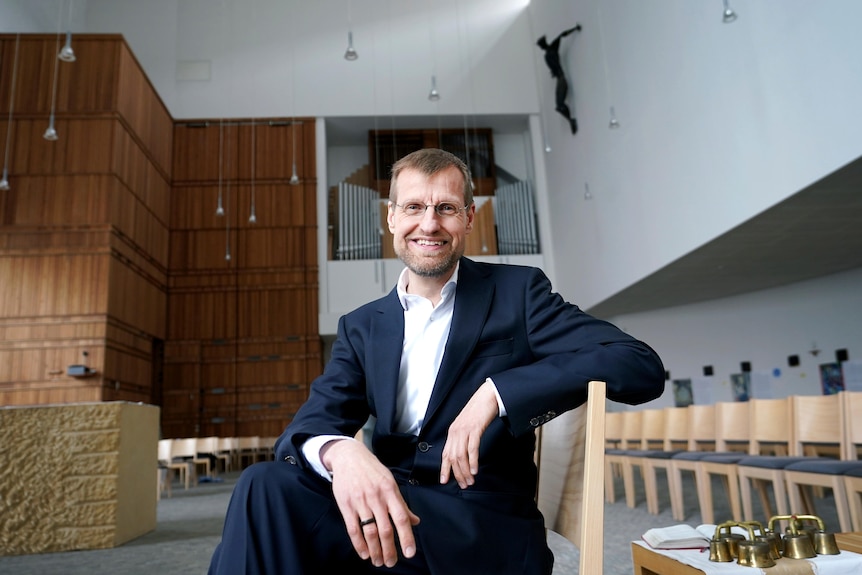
x,y
472,303
387,337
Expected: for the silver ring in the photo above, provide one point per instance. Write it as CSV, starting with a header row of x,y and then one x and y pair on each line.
x,y
364,522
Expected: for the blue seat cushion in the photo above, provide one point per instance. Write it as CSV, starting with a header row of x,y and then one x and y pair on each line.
x,y
824,466
771,461
723,458
854,471
698,455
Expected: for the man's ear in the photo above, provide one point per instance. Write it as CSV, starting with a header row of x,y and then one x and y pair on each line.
x,y
471,215
390,217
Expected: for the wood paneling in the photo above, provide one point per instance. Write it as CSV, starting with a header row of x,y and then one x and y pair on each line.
x,y
109,243
84,237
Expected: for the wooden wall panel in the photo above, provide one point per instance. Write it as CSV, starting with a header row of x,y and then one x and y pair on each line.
x,y
83,146
137,300
84,86
54,285
140,105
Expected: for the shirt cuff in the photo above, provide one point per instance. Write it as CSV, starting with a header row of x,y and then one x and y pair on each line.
x,y
500,407
311,451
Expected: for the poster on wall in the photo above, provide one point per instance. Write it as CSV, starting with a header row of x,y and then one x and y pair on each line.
x,y
852,372
831,378
740,384
682,395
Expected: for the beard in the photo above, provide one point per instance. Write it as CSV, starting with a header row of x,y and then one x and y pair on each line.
x,y
429,267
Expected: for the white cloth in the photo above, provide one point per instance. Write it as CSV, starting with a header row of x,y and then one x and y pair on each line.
x,y
845,563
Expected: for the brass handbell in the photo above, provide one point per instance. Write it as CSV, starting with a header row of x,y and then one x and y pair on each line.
x,y
797,543
719,546
824,543
754,552
773,540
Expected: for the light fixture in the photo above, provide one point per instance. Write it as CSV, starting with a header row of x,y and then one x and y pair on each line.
x,y
434,95
294,178
4,182
614,123
67,54
729,15
219,207
51,132
350,54
253,217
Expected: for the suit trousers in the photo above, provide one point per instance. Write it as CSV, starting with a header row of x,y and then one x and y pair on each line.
x,y
283,520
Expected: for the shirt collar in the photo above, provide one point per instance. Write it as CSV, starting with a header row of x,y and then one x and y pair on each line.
x,y
448,288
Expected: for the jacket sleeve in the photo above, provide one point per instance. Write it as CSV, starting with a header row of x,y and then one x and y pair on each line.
x,y
571,348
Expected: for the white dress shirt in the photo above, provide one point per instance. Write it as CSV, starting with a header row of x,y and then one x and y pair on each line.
x,y
426,331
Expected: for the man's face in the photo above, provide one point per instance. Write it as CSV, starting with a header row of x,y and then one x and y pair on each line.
x,y
430,244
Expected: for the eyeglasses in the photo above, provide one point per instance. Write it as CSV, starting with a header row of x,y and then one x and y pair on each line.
x,y
444,209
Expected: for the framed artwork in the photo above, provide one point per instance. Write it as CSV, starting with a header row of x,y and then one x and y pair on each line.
x,y
831,378
741,386
682,394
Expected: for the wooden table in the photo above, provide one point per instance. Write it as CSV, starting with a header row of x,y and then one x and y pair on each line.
x,y
648,562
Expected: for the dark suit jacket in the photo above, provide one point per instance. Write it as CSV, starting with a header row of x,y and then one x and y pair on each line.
x,y
540,352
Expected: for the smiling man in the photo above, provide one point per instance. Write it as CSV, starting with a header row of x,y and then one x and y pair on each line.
x,y
459,364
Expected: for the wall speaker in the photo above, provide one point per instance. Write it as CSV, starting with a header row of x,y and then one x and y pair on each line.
x,y
793,360
707,370
745,366
841,355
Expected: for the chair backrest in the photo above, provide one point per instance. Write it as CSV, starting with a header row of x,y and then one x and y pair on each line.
x,y
613,429
165,450
770,426
701,427
852,403
249,443
207,445
675,428
818,422
731,426
227,444
185,447
652,429
571,477
632,430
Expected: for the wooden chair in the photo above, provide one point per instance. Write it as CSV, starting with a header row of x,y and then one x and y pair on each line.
x,y
209,448
676,423
819,420
731,444
570,457
701,442
653,433
771,430
615,459
227,451
166,461
186,449
853,442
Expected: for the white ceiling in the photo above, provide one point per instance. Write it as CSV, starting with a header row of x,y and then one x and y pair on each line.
x,y
816,232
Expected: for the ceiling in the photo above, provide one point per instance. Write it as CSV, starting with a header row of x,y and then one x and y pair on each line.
x,y
816,232
353,131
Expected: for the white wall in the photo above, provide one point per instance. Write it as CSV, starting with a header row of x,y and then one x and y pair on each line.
x,y
284,57
763,328
718,122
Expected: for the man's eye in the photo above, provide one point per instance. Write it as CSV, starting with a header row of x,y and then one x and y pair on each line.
x,y
447,209
413,208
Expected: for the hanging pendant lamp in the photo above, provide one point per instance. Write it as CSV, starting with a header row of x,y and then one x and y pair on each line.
x,y
4,181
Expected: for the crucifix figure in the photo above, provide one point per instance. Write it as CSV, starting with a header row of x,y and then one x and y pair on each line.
x,y
552,59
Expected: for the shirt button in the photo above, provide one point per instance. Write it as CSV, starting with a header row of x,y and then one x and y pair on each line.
x,y
423,446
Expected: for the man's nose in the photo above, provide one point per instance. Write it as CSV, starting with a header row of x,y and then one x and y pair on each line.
x,y
430,219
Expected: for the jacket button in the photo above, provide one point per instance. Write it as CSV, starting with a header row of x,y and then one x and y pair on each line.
x,y
423,446
535,422
290,459
412,481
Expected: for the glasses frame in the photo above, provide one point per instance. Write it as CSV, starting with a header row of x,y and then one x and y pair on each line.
x,y
436,207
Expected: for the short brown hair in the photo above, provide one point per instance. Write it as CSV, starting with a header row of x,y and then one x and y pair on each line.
x,y
430,161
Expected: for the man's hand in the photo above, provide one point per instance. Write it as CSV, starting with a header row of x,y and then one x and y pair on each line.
x,y
366,492
461,452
